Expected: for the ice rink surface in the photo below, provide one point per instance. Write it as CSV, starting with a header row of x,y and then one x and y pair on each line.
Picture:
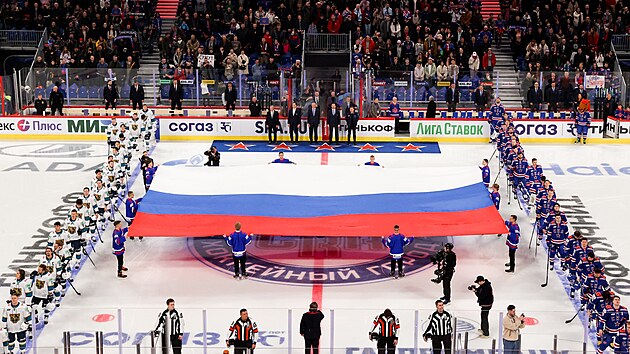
x,y
346,275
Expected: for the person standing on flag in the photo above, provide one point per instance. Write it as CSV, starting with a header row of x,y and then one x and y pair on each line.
x,y
396,243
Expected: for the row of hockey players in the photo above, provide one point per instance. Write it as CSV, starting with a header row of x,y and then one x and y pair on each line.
x,y
135,135
575,255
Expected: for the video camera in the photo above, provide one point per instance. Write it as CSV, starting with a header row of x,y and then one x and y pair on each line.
x,y
473,287
438,259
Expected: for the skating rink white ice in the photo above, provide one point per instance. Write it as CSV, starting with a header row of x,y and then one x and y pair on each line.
x,y
160,268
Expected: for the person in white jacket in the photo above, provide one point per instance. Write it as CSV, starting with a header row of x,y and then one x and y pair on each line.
x,y
473,64
442,72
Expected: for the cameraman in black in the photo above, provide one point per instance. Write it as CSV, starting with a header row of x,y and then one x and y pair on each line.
x,y
446,261
485,298
385,332
213,156
145,160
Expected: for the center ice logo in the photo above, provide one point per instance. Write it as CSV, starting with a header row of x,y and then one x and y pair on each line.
x,y
309,260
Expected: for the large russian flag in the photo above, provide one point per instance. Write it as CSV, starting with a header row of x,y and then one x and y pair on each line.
x,y
290,200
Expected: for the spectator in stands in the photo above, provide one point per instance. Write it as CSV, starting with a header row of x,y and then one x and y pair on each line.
x,y
243,63
110,95
442,72
230,98
535,97
431,108
473,64
347,104
175,95
254,107
480,99
489,61
136,95
552,97
56,101
430,71
452,97
375,109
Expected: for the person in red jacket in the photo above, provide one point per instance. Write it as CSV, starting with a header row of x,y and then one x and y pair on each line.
x,y
334,24
489,61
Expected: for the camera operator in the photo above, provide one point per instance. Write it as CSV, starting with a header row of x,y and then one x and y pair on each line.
x,y
440,329
446,260
213,156
171,326
385,332
485,298
512,331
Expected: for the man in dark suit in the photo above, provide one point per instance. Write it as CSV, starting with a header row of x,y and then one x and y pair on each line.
x,y
110,95
272,123
431,108
313,118
230,97
480,98
136,95
333,119
295,119
352,119
452,98
552,96
175,95
534,97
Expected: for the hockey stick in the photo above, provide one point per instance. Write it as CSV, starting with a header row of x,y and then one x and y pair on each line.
x,y
63,266
498,173
509,187
88,256
73,288
574,316
120,213
495,151
547,275
531,237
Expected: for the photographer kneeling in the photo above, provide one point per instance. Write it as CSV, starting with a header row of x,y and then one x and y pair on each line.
x,y
213,156
485,298
446,261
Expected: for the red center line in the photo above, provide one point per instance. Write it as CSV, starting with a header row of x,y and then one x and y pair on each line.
x,y
318,263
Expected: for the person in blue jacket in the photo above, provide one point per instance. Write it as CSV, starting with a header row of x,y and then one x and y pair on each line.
x,y
513,238
118,246
396,243
238,241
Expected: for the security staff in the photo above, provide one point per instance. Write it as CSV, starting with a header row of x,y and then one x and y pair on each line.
x,y
272,123
171,326
242,334
40,105
440,329
333,120
385,331
56,101
313,118
352,119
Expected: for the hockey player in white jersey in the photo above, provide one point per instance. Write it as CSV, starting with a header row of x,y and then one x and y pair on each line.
x,y
114,178
53,265
135,129
112,131
148,126
98,174
103,203
64,272
21,286
43,294
90,204
57,234
122,157
16,318
75,227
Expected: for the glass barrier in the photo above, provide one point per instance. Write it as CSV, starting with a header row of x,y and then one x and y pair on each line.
x,y
346,330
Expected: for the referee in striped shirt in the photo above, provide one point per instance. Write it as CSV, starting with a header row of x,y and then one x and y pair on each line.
x,y
440,329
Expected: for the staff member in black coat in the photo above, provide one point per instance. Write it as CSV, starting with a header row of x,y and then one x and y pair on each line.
x,y
230,97
313,118
110,95
40,105
254,107
552,96
480,98
485,299
452,97
175,94
431,108
311,329
272,123
352,119
295,119
333,119
136,95
534,97
56,101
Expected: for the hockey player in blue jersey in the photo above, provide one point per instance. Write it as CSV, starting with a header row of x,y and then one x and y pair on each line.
x,y
238,241
495,195
587,265
614,320
131,208
594,285
485,172
149,175
572,242
396,243
557,233
512,241
622,343
495,117
544,206
519,168
582,123
281,159
577,255
533,180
